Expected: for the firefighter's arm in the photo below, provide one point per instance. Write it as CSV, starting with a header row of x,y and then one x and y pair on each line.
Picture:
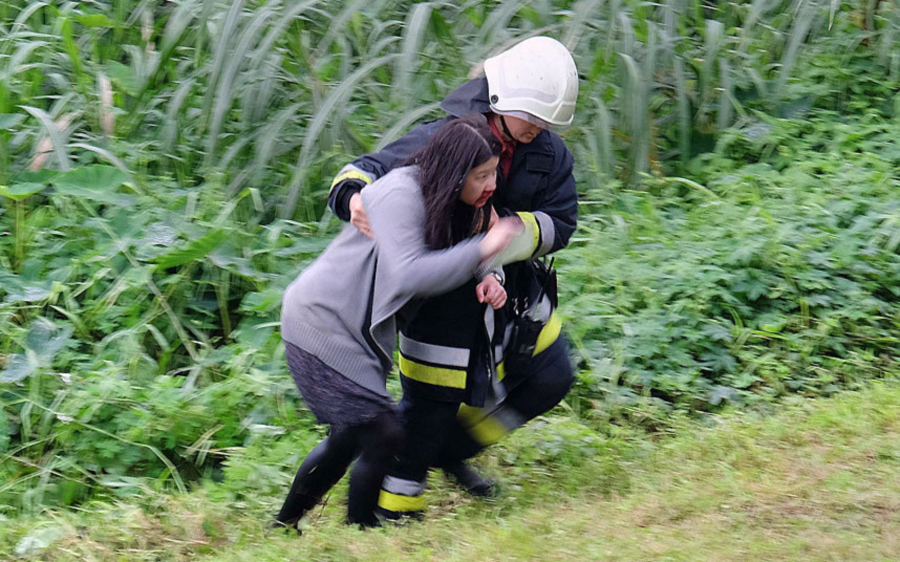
x,y
366,169
555,214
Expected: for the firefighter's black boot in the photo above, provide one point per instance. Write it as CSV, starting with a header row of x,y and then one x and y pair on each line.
x,y
471,481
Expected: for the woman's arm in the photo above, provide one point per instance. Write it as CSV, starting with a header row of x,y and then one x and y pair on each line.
x,y
397,221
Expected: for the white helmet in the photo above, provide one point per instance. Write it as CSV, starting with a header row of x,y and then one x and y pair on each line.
x,y
535,80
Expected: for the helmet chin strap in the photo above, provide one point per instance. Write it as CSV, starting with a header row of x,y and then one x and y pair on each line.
x,y
506,128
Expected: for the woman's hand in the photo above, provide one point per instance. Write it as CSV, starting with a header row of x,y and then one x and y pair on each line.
x,y
358,216
490,291
500,236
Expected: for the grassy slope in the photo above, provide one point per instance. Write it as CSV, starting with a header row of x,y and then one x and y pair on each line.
x,y
820,480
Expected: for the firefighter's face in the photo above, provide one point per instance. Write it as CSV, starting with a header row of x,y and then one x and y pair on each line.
x,y
522,131
480,183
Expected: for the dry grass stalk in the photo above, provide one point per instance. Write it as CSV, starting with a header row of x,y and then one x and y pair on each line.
x,y
107,117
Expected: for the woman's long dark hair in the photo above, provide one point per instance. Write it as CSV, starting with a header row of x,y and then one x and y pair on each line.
x,y
444,164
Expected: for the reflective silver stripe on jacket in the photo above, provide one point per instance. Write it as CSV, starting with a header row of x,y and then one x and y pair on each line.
x,y
548,233
499,390
542,310
457,357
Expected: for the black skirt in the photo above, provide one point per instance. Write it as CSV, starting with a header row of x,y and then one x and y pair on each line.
x,y
333,398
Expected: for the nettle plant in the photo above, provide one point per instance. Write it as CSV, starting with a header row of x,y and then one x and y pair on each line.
x,y
775,277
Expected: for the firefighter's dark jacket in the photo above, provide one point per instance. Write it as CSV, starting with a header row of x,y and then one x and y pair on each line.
x,y
540,177
443,347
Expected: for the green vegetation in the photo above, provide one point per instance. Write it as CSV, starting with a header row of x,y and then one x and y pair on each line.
x,y
163,169
763,279
818,481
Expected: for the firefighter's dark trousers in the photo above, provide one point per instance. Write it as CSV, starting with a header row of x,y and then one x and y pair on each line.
x,y
545,383
440,433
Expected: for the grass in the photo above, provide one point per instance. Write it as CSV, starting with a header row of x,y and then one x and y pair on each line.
x,y
818,480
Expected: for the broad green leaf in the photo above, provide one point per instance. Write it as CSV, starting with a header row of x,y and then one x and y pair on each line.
x,y
268,300
30,293
20,191
38,540
720,393
226,258
305,245
18,368
194,250
98,183
41,176
254,332
46,340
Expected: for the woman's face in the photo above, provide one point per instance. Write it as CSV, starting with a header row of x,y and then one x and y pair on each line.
x,y
480,183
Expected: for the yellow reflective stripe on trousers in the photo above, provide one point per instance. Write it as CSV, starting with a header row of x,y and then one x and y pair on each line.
x,y
401,504
350,175
488,431
549,333
532,225
439,376
470,415
489,427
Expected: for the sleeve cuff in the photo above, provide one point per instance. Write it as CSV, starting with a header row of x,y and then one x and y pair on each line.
x,y
346,191
487,269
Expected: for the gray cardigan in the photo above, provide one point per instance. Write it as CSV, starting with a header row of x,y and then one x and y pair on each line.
x,y
342,307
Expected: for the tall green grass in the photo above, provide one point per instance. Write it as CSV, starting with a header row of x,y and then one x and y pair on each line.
x,y
199,86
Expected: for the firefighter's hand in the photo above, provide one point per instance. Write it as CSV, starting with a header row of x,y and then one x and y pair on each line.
x,y
358,216
490,291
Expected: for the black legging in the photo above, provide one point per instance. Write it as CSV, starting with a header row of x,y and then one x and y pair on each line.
x,y
375,443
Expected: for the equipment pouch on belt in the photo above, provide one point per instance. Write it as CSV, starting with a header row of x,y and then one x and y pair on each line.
x,y
527,318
